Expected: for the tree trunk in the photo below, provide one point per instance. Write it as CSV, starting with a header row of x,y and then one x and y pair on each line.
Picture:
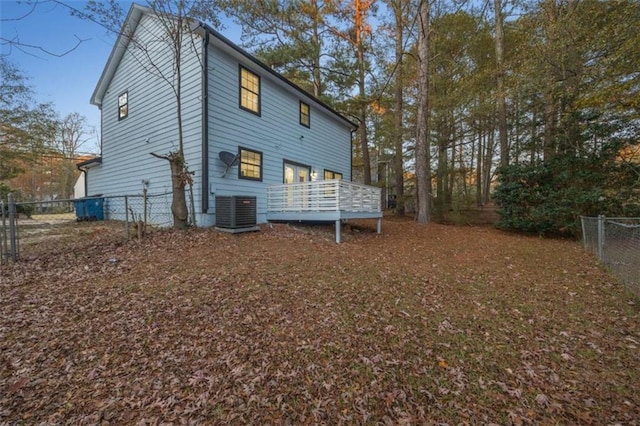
x,y
441,171
451,176
398,163
362,131
500,95
488,159
463,166
179,200
549,144
516,132
549,147
179,172
317,77
362,93
479,167
535,148
423,160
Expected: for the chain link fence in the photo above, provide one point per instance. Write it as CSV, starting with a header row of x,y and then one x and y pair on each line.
x,y
616,242
26,226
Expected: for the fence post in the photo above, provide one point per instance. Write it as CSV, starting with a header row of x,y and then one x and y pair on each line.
x,y
144,219
601,238
3,238
12,228
192,205
126,215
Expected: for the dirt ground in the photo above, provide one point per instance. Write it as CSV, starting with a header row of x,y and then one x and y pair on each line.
x,y
426,324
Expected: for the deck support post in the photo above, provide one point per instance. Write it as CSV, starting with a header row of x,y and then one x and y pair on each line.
x,y
338,231
379,227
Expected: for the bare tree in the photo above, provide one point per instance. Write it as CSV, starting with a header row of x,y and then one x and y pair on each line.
x,y
73,134
177,20
15,42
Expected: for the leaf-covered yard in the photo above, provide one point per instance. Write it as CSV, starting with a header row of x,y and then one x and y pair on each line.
x,y
423,324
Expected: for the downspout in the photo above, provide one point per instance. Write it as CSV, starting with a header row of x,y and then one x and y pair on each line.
x,y
205,122
101,128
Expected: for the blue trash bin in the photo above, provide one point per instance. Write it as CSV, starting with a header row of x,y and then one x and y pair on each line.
x,y
80,206
89,209
95,208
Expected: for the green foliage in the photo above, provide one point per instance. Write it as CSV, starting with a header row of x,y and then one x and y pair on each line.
x,y
27,129
5,190
547,198
577,82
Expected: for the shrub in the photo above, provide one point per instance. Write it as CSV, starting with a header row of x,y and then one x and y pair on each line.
x,y
548,198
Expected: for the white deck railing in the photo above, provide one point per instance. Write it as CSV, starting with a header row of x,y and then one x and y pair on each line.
x,y
324,196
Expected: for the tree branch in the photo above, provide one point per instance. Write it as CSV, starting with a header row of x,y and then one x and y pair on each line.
x,y
23,46
162,157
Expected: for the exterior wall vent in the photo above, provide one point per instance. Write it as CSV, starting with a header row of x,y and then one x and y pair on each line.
x,y
236,213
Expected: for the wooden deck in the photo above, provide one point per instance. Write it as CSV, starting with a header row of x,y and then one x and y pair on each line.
x,y
324,201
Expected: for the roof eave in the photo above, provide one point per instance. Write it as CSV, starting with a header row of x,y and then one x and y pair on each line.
x,y
89,163
131,22
128,27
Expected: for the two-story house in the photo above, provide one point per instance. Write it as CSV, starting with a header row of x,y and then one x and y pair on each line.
x,y
231,104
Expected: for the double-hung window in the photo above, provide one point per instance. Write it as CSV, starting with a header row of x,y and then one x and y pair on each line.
x,y
250,164
123,106
328,174
249,91
305,114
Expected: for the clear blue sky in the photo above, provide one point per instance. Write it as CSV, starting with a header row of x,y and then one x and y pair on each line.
x,y
67,81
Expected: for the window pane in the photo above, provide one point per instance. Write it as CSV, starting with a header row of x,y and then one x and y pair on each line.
x,y
304,114
123,106
249,100
250,164
328,174
249,90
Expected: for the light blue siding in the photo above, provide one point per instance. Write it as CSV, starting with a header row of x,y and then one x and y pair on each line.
x,y
277,133
151,125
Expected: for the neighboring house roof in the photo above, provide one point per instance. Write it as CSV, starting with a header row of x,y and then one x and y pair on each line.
x,y
131,22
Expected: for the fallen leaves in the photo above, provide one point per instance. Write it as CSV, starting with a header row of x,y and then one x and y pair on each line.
x,y
430,325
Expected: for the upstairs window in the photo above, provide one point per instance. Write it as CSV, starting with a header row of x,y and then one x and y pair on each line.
x,y
123,106
249,91
328,175
305,114
250,164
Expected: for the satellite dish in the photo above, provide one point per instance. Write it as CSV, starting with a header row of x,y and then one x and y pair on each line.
x,y
229,159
